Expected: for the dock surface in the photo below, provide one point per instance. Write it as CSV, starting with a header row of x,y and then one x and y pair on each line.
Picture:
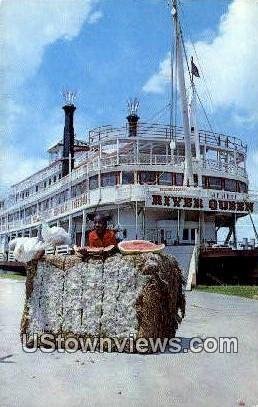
x,y
95,379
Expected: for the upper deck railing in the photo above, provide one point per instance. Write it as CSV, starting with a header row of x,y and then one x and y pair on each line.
x,y
159,131
117,195
112,163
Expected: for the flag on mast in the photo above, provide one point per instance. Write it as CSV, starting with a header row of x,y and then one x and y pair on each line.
x,y
194,69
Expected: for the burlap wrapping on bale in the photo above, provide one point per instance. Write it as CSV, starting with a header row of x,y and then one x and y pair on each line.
x,y
109,297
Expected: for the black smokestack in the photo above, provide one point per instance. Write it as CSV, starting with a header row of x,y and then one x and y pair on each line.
x,y
133,117
68,140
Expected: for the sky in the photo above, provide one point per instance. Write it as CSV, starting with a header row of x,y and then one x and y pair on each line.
x,y
111,50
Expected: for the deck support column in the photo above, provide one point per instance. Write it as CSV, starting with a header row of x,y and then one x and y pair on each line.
x,y
234,235
204,156
70,221
83,227
178,227
137,151
117,151
181,224
136,220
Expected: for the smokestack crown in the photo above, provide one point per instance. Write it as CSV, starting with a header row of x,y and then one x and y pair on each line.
x,y
68,139
133,117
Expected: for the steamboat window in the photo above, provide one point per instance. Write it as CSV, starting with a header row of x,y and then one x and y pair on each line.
x,y
54,179
179,179
127,178
108,180
205,183
37,188
165,178
185,234
214,183
192,234
74,191
241,187
230,185
94,182
147,177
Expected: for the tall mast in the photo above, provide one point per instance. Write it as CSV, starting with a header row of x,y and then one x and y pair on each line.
x,y
188,172
194,125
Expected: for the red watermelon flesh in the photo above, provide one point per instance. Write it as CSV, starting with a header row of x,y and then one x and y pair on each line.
x,y
93,250
139,246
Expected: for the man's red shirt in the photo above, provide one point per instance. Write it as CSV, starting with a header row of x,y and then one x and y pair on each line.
x,y
108,238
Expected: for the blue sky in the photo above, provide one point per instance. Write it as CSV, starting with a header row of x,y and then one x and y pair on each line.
x,y
110,50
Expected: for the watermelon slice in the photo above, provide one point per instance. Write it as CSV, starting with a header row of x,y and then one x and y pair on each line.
x,y
86,250
139,246
96,250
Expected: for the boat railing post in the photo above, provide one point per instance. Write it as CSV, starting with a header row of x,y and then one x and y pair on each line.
x,y
70,225
136,219
117,151
83,227
137,151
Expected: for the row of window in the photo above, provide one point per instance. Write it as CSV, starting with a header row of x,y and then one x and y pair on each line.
x,y
165,178
143,177
45,184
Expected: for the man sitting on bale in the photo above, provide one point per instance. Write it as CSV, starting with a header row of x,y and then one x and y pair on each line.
x,y
101,236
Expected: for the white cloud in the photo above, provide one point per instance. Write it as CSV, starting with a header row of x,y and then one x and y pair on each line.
x,y
95,17
15,166
252,167
27,28
229,62
158,82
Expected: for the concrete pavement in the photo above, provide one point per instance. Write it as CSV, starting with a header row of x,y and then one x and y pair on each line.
x,y
183,379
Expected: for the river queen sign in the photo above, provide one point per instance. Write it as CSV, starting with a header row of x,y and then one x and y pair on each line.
x,y
193,203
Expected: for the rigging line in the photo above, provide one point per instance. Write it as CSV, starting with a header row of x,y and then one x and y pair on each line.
x,y
198,59
206,116
188,68
154,124
204,77
185,53
159,112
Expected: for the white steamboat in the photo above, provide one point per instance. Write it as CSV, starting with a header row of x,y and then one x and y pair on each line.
x,y
164,183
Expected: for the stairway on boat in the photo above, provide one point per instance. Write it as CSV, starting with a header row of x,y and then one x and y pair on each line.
x,y
185,258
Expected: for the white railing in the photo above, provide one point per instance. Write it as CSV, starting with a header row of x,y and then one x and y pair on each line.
x,y
161,132
120,194
228,168
38,177
175,163
65,208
